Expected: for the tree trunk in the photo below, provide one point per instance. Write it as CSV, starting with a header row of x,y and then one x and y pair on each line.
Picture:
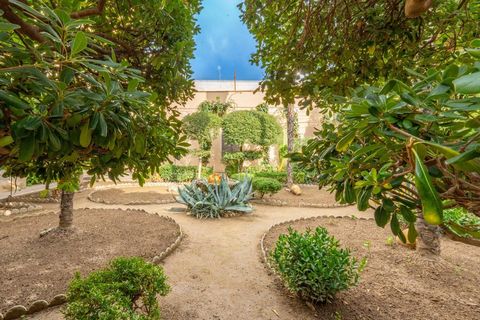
x,y
290,140
66,211
199,170
429,238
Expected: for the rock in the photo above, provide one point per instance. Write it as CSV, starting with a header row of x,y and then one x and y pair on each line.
x,y
7,213
15,211
58,300
37,306
295,189
15,312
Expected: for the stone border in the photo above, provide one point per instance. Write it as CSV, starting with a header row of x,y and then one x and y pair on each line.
x,y
18,207
18,311
132,185
282,203
34,198
262,240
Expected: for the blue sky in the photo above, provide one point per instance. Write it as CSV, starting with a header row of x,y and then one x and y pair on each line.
x,y
223,42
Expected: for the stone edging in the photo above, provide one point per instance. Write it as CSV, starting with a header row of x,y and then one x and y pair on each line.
x,y
282,203
132,184
262,240
18,207
18,311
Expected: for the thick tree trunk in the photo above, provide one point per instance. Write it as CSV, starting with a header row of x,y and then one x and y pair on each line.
x,y
290,140
66,211
428,243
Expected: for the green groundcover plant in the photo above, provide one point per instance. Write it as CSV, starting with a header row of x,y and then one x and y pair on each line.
x,y
313,266
127,289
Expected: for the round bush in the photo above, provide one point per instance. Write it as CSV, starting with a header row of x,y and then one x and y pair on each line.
x,y
126,289
266,186
313,266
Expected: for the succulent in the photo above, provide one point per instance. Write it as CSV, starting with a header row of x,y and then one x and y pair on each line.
x,y
206,200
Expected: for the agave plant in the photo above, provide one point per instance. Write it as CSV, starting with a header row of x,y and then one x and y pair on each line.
x,y
206,200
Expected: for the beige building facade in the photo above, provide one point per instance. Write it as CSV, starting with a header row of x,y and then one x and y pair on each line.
x,y
243,96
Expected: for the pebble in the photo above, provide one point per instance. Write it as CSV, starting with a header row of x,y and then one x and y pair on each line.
x,y
7,213
58,300
37,306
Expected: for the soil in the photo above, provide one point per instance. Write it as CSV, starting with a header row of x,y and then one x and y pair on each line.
x,y
310,196
134,195
396,282
217,272
35,268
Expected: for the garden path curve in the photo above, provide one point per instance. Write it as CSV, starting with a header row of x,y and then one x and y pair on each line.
x,y
217,271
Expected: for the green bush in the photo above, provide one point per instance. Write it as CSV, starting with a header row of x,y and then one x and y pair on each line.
x,y
175,173
241,176
462,223
303,176
127,289
266,186
313,265
280,176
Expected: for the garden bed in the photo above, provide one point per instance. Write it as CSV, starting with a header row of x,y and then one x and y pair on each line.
x,y
311,197
396,282
34,268
134,195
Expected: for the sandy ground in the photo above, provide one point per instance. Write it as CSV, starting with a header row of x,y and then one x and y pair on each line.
x,y
134,195
40,268
217,272
310,195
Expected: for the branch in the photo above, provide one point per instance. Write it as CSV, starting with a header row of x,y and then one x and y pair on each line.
x,y
90,11
25,28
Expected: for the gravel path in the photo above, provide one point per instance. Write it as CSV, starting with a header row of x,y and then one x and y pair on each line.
x,y
217,272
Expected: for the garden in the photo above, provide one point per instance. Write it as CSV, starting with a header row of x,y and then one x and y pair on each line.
x,y
376,216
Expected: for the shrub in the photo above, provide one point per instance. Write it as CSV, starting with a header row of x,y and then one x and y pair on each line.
x,y
126,289
266,186
313,265
280,176
175,173
205,200
241,176
462,223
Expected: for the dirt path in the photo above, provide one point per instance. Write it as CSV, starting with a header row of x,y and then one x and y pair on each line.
x,y
217,272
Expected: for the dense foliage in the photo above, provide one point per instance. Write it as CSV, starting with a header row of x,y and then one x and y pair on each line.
x,y
127,289
202,127
216,107
66,107
178,173
312,48
404,148
313,266
206,200
462,223
250,127
264,186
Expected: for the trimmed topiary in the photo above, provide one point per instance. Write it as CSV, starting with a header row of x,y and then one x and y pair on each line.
x,y
313,266
266,186
126,289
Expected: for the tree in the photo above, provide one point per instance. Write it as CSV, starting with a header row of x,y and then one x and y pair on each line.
x,y
217,107
249,128
311,49
63,110
203,127
406,150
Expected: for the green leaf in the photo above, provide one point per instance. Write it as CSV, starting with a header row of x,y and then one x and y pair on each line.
x,y
431,204
408,214
412,233
79,43
345,142
468,84
362,199
85,135
27,148
381,216
395,225
6,27
103,125
5,141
